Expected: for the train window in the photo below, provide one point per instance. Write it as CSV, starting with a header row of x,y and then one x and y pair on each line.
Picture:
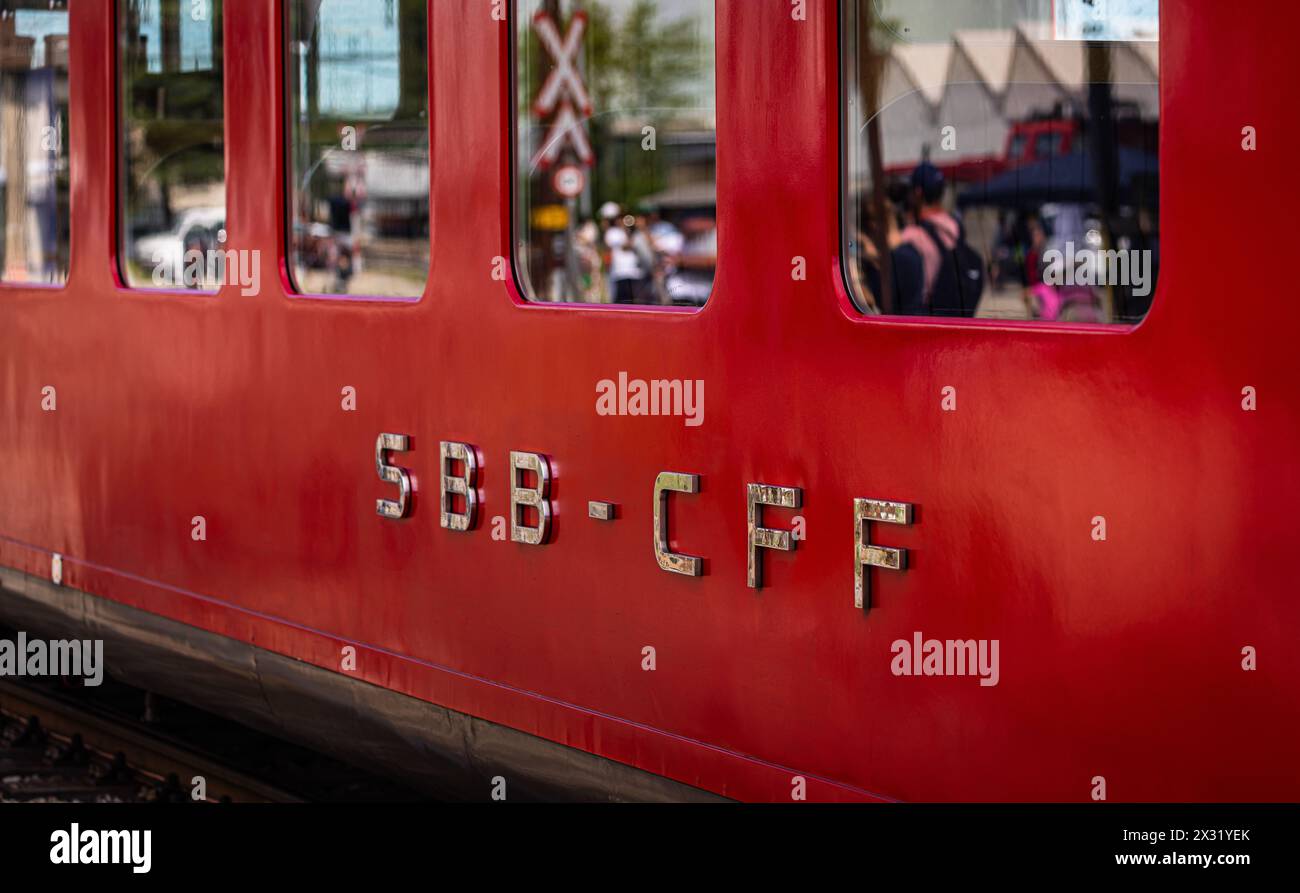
x,y
615,197
1001,158
173,173
33,141
358,147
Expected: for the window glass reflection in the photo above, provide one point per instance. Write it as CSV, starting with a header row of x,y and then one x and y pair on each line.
x,y
33,141
173,144
359,147
1001,158
615,192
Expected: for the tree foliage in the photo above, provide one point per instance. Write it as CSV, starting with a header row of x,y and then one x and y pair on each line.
x,y
637,63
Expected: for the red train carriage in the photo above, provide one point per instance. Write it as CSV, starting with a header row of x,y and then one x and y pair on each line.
x,y
709,461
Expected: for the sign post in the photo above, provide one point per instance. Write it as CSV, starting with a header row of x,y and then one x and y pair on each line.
x,y
565,100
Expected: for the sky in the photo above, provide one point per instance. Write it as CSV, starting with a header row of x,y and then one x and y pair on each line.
x,y
39,23
359,43
196,38
360,70
935,20
359,74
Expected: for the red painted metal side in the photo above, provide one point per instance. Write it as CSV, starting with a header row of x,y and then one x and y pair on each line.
x,y
1119,659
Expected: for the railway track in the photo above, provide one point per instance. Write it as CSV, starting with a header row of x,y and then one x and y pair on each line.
x,y
121,745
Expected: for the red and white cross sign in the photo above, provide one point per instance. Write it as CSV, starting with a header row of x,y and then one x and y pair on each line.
x,y
562,90
564,77
566,128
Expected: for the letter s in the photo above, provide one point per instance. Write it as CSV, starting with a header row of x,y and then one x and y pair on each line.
x,y
393,474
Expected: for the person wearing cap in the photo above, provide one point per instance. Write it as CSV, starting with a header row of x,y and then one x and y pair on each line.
x,y
930,222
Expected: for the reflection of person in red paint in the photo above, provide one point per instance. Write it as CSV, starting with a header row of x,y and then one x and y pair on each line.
x,y
1034,252
625,271
905,269
666,242
697,263
1047,296
591,269
933,231
340,209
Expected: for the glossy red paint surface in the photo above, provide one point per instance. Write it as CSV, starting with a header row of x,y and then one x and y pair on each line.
x,y
1120,659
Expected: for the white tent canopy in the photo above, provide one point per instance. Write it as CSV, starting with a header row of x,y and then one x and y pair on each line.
x,y
983,80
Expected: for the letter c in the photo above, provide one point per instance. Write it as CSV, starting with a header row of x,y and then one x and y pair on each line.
x,y
674,562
